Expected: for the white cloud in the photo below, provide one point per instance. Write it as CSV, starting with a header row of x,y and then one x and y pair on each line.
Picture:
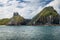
x,y
27,8
3,1
56,5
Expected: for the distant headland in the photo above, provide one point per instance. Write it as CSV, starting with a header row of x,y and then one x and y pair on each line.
x,y
48,16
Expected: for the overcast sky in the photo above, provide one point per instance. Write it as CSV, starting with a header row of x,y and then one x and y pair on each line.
x,y
26,8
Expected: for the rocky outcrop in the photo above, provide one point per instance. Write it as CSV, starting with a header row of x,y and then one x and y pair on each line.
x,y
16,19
47,16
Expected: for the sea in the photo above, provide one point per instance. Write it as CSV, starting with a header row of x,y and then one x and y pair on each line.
x,y
29,32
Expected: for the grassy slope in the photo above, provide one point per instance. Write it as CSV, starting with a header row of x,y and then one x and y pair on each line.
x,y
45,12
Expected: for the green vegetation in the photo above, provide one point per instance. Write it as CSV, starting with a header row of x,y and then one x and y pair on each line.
x,y
14,20
4,21
46,12
45,16
18,19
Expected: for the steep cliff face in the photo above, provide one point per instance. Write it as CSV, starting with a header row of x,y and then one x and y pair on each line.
x,y
47,15
16,19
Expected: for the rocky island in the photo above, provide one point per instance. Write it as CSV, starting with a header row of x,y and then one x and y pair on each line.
x,y
48,16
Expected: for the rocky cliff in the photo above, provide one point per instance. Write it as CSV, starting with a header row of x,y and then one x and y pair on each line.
x,y
47,16
16,19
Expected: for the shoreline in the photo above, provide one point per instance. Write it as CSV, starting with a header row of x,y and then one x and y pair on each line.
x,y
34,25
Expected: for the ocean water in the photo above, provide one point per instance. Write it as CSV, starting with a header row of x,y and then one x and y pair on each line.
x,y
29,32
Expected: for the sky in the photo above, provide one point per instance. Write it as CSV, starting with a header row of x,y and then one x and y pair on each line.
x,y
26,8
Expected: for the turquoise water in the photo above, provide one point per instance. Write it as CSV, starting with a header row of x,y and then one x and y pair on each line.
x,y
29,32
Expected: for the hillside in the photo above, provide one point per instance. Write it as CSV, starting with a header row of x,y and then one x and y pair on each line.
x,y
42,16
16,19
4,21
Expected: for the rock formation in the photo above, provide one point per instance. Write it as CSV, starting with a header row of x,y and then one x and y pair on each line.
x,y
16,19
47,16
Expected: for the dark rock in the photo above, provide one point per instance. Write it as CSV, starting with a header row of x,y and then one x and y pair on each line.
x,y
16,14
